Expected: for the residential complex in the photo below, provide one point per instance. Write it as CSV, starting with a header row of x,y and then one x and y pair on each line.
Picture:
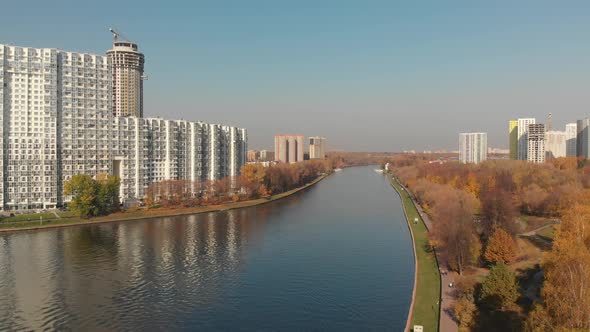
x,y
473,147
266,155
555,144
253,155
289,148
536,143
317,147
127,75
522,138
583,139
57,110
571,133
513,141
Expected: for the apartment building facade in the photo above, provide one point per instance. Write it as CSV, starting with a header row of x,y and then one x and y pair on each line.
x,y
57,111
536,143
317,147
513,139
571,133
555,144
522,138
473,147
127,78
289,148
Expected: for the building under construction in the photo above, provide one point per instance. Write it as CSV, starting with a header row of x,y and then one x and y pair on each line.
x,y
127,70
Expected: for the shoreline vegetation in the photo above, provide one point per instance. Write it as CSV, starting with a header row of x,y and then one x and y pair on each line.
x,y
143,214
95,200
510,233
424,309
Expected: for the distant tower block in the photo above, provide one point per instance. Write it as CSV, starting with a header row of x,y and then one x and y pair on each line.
x,y
127,65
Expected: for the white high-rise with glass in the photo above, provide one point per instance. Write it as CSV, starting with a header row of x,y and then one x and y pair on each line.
x,y
57,110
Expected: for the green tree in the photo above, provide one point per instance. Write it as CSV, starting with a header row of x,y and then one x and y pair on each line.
x,y
93,197
84,192
499,290
108,194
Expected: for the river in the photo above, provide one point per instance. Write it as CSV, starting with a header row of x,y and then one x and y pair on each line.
x,y
337,256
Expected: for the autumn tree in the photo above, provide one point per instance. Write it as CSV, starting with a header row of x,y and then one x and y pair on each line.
x,y
538,320
499,290
252,177
533,199
498,211
501,247
454,228
566,291
91,197
465,310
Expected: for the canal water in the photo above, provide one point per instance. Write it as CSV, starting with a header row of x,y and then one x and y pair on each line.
x,y
337,256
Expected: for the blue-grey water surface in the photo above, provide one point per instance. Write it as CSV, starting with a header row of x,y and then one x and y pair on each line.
x,y
336,257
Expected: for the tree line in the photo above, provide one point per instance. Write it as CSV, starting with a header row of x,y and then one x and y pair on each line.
x,y
475,211
94,197
255,181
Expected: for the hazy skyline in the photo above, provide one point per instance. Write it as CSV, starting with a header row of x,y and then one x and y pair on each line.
x,y
368,75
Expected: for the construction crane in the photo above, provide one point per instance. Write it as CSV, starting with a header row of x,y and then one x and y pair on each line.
x,y
117,35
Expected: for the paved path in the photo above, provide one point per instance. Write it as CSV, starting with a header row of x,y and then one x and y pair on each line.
x,y
447,322
534,231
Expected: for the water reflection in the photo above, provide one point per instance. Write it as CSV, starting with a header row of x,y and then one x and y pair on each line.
x,y
260,267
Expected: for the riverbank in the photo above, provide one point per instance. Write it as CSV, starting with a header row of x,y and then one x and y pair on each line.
x,y
143,214
424,309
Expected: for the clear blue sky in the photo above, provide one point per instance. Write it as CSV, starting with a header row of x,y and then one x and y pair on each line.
x,y
369,75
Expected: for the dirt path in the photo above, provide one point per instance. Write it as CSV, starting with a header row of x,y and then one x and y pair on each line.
x,y
534,231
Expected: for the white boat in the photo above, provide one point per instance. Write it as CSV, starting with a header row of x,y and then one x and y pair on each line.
x,y
337,169
379,170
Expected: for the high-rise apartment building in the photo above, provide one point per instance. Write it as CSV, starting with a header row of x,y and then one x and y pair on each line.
x,y
583,138
555,144
536,143
522,130
317,147
571,132
253,155
513,139
289,148
58,122
266,155
473,147
127,75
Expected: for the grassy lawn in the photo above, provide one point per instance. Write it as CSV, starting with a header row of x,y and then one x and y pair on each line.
x,y
548,233
426,306
532,222
32,220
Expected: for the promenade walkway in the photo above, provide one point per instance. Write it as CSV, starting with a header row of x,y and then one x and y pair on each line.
x,y
447,321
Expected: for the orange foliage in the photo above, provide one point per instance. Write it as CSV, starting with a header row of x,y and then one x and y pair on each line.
x,y
501,248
